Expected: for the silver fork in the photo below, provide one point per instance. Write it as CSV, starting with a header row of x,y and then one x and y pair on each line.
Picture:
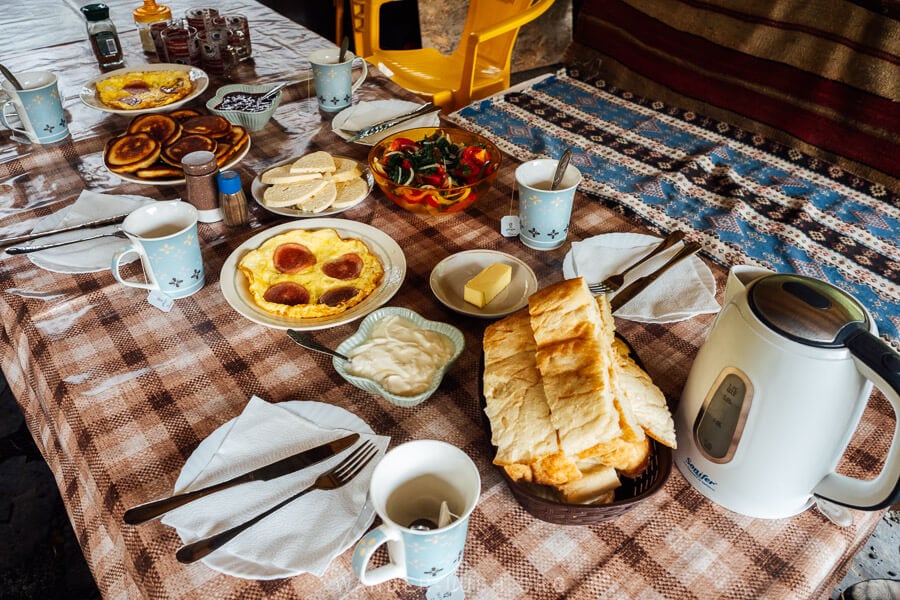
x,y
614,282
338,476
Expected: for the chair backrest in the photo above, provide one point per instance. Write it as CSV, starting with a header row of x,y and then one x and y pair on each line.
x,y
485,14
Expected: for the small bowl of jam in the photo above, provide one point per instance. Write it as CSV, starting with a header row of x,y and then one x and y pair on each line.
x,y
244,104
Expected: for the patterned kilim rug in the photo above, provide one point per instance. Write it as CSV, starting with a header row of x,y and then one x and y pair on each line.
x,y
749,200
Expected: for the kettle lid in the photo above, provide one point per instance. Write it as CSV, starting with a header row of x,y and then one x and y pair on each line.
x,y
806,310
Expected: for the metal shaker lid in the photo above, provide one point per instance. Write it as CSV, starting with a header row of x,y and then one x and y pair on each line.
x,y
806,310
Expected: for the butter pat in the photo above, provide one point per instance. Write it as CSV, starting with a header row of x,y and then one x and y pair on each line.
x,y
482,288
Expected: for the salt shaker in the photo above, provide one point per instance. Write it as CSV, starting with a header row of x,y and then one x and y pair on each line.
x,y
200,171
232,201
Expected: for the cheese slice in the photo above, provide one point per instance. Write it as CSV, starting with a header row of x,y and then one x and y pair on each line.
x,y
482,288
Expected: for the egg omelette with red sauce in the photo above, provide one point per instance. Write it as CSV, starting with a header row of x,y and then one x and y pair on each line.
x,y
303,274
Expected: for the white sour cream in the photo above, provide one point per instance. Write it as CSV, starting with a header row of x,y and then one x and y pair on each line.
x,y
400,356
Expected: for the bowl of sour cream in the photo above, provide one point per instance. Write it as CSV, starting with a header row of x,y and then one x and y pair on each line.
x,y
399,355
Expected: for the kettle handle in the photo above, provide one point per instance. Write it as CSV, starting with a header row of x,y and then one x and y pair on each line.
x,y
879,363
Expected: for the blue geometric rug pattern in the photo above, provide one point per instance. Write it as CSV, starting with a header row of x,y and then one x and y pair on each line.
x,y
747,199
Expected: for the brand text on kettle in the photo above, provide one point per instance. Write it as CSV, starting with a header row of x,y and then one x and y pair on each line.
x,y
700,475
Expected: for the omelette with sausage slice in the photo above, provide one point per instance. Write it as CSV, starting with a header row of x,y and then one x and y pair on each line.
x,y
304,274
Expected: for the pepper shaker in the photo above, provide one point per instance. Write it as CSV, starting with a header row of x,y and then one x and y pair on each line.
x,y
200,170
232,201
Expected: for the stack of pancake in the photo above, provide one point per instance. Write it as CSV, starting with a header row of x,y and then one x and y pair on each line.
x,y
569,408
153,144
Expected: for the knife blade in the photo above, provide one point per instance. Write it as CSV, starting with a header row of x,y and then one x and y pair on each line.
x,y
89,225
640,284
425,109
150,510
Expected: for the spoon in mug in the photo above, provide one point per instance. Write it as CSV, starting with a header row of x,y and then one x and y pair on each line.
x,y
12,78
561,168
345,43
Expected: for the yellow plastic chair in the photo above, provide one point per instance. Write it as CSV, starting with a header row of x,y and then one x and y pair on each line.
x,y
477,68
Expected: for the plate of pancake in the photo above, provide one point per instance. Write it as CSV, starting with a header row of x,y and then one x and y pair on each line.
x,y
144,89
152,146
316,184
341,269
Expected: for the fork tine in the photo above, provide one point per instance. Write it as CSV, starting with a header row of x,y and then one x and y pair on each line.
x,y
353,464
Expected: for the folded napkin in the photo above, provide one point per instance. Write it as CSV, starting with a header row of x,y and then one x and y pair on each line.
x,y
364,114
90,256
303,536
685,290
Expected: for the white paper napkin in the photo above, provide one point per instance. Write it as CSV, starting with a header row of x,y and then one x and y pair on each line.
x,y
303,536
685,290
90,256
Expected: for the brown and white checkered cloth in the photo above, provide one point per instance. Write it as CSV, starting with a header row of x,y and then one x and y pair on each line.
x,y
118,394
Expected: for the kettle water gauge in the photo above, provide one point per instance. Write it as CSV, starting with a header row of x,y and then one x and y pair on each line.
x,y
718,427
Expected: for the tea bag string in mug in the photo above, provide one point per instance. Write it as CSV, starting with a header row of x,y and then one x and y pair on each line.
x,y
509,224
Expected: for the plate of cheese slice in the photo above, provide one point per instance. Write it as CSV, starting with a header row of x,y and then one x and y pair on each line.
x,y
313,185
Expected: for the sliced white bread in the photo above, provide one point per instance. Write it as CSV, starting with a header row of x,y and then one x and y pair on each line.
x,y
346,169
319,201
283,174
350,193
283,195
314,162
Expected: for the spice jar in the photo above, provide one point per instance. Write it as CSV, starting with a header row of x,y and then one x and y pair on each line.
x,y
103,36
232,201
200,171
144,17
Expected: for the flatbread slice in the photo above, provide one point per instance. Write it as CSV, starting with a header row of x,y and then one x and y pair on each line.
x,y
283,195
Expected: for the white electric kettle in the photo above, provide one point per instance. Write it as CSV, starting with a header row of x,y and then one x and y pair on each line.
x,y
775,394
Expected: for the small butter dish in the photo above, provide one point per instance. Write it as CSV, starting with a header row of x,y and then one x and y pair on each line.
x,y
449,277
364,335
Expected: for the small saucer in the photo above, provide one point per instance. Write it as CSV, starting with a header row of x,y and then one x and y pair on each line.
x,y
449,277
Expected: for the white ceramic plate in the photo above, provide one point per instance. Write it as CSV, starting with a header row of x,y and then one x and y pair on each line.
x,y
380,110
234,283
258,188
449,277
326,416
198,77
128,177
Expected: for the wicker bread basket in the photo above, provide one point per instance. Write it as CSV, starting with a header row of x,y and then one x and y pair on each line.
x,y
540,502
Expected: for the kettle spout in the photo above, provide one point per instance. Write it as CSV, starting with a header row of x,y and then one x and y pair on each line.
x,y
739,277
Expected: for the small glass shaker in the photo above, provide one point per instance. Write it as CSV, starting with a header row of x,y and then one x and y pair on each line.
x,y
232,201
200,171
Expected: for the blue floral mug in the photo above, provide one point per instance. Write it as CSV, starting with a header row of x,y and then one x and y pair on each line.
x,y
334,80
425,538
164,236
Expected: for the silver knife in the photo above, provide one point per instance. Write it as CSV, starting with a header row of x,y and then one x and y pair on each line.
x,y
150,510
118,232
640,284
425,109
89,225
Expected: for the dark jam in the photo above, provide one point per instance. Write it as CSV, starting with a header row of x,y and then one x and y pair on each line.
x,y
244,101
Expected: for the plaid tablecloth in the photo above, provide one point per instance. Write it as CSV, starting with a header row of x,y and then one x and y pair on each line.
x,y
118,394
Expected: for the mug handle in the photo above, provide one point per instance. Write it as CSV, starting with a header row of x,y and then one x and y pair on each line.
x,y
148,273
3,117
362,77
366,548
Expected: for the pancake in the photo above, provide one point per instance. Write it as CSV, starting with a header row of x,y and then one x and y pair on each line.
x,y
132,151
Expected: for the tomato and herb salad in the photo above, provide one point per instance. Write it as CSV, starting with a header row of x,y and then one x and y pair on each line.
x,y
434,170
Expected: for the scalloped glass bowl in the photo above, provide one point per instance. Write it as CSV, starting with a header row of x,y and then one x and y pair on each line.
x,y
434,201
252,121
364,333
